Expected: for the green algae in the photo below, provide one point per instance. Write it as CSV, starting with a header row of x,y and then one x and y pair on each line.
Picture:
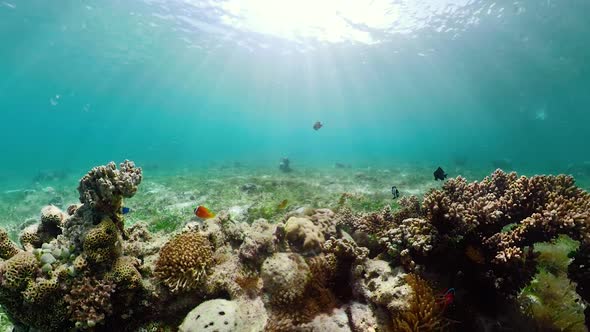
x,y
551,298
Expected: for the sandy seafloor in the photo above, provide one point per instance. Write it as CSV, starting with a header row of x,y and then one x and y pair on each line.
x,y
166,199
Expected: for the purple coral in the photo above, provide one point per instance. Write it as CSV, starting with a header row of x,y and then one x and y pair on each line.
x,y
504,215
89,302
105,186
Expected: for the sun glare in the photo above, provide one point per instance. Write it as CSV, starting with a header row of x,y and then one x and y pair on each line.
x,y
320,20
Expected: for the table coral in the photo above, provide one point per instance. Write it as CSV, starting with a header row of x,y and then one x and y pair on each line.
x,y
539,208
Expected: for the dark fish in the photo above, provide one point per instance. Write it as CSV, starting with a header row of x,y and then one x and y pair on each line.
x,y
317,125
439,174
125,210
394,192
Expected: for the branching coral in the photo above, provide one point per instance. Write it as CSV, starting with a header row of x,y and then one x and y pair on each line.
x,y
184,261
89,302
402,234
540,208
104,186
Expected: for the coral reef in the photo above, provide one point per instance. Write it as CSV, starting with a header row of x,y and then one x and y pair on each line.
x,y
535,209
305,269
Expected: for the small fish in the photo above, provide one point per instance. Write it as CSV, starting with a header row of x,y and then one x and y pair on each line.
x,y
447,298
394,192
282,204
203,212
125,210
439,174
317,125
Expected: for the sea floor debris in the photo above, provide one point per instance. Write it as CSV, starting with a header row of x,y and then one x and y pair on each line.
x,y
311,268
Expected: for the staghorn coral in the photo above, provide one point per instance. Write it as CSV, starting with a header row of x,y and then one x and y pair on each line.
x,y
412,237
401,234
7,247
424,312
89,302
184,261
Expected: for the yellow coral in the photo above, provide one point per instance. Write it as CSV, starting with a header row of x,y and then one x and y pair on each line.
x,y
30,239
7,247
184,261
424,313
80,263
18,270
38,291
100,243
125,274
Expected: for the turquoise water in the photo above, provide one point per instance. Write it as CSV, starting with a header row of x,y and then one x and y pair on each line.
x,y
195,83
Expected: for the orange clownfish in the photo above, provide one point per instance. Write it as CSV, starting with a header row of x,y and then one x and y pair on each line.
x,y
203,212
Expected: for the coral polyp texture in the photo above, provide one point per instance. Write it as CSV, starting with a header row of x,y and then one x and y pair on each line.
x,y
308,270
184,261
104,186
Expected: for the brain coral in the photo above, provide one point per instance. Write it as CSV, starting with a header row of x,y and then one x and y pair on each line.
x,y
303,233
285,277
184,261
